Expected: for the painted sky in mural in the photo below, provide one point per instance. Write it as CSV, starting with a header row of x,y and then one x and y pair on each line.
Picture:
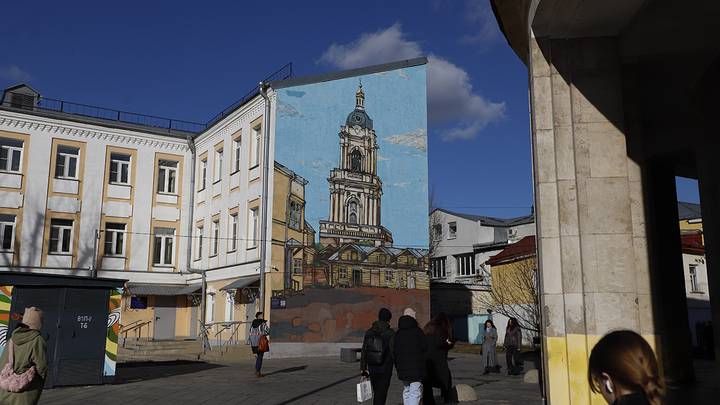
x,y
309,118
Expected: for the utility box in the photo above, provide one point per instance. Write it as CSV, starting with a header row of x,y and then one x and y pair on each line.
x,y
81,319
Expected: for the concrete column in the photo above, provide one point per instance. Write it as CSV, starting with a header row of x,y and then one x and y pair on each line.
x,y
590,218
710,202
668,278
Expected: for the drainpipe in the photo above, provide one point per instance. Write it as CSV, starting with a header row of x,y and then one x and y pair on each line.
x,y
265,181
191,145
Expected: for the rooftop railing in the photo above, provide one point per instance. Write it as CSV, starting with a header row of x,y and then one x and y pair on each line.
x,y
24,101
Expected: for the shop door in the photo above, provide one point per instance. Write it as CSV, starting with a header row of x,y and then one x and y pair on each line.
x,y
164,317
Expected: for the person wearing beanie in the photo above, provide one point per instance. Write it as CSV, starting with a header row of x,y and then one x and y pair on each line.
x,y
409,352
29,350
376,355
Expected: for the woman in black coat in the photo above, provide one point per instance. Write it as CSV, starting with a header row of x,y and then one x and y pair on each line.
x,y
438,335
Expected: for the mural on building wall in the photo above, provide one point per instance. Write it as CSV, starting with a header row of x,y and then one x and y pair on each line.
x,y
113,331
359,145
5,301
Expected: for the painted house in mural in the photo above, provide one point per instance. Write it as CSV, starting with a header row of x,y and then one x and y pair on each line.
x,y
175,198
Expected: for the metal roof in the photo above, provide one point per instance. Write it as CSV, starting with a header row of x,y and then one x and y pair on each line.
x,y
688,210
161,289
491,221
23,278
242,282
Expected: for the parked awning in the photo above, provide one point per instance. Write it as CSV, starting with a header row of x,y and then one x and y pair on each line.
x,y
161,289
242,282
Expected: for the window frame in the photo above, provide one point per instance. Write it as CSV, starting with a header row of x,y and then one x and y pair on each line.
x,y
461,266
694,279
203,174
253,214
164,167
120,162
113,234
452,233
200,229
164,236
218,165
297,265
6,145
437,232
237,147
295,222
233,231
438,267
67,158
255,146
215,232
4,223
61,236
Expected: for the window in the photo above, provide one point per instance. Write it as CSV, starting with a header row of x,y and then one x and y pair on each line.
x,y
253,225
388,275
255,152
229,302
167,174
233,232
66,161
295,214
114,239
164,240
297,266
352,210
437,266
437,231
119,168
203,174
24,101
209,307
694,287
138,302
237,146
61,233
343,272
452,230
199,232
215,236
218,165
10,154
355,161
7,231
465,264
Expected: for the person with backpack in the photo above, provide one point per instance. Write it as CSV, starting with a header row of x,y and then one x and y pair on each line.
x,y
24,362
259,331
376,356
409,354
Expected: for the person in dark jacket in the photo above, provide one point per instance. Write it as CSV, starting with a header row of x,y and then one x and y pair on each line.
x,y
380,374
438,336
513,339
258,328
624,370
409,350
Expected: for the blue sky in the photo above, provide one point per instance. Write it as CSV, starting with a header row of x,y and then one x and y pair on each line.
x,y
309,119
189,60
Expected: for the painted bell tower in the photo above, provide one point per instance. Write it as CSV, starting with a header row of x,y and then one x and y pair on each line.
x,y
355,188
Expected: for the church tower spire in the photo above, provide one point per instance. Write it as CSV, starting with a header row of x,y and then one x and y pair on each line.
x,y
360,98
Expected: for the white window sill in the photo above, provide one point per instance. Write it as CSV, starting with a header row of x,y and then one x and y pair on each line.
x,y
115,256
60,253
170,194
252,248
67,178
452,237
120,184
232,250
235,171
167,266
11,172
698,292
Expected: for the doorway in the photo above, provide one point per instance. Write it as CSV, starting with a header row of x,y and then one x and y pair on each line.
x,y
164,328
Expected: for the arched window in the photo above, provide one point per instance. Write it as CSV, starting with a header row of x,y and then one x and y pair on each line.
x,y
352,210
355,161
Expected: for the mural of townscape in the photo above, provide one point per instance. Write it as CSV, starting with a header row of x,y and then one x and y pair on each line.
x,y
356,148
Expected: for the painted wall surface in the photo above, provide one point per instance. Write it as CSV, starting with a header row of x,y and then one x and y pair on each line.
x,y
359,144
113,330
5,302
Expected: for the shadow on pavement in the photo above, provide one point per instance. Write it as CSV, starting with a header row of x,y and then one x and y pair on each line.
x,y
287,370
150,370
324,387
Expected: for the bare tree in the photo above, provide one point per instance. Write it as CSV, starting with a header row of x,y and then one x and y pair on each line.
x,y
514,293
433,222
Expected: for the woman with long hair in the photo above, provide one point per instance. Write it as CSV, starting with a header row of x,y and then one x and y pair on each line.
x,y
489,345
438,335
624,370
513,339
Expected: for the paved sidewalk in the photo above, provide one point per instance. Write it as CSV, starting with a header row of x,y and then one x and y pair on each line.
x,y
288,381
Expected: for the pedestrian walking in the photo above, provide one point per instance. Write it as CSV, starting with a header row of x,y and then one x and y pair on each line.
x,y
409,350
438,336
624,370
513,339
26,346
259,332
376,358
489,346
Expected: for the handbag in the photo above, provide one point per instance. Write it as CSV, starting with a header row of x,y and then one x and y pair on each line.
x,y
263,344
9,380
364,390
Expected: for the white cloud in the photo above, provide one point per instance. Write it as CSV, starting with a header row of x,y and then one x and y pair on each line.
x,y
479,14
451,98
14,73
415,139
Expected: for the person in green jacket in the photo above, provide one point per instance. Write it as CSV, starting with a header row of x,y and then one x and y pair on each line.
x,y
29,350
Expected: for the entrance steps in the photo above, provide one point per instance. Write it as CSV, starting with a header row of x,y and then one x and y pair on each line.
x,y
159,350
228,354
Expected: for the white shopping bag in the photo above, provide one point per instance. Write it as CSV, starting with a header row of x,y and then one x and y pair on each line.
x,y
364,390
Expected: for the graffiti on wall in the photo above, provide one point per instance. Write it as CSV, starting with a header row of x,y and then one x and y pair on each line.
x,y
113,330
354,153
5,301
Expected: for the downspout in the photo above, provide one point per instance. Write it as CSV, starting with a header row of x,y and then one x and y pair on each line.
x,y
266,184
193,151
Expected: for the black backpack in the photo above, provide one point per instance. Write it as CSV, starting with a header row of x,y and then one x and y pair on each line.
x,y
375,349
